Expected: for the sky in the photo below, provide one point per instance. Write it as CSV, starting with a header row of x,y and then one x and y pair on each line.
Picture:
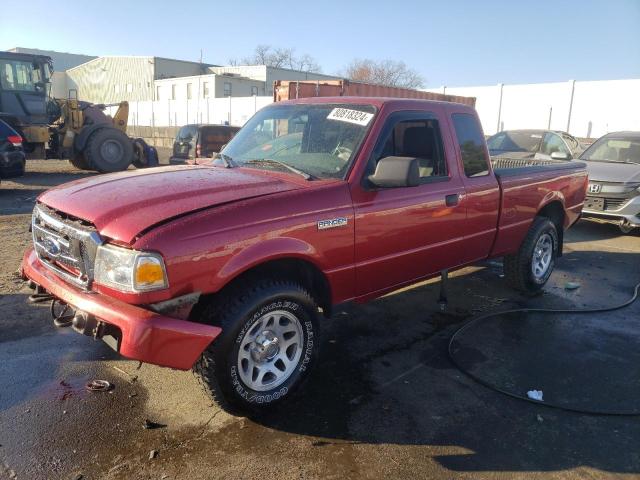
x,y
450,42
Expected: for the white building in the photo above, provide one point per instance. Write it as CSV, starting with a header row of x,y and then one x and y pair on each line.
x,y
117,78
268,75
206,86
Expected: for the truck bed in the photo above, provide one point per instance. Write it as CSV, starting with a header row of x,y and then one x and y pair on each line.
x,y
556,180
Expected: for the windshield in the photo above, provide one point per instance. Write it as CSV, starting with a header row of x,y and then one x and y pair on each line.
x,y
515,141
614,149
21,75
319,140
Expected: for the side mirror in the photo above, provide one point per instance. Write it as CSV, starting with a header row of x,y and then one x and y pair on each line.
x,y
560,156
393,172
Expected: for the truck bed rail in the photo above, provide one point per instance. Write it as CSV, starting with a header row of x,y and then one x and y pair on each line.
x,y
506,167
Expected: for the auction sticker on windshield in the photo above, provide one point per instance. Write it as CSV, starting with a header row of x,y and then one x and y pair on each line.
x,y
350,116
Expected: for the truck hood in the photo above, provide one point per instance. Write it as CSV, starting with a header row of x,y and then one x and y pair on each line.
x,y
613,172
121,205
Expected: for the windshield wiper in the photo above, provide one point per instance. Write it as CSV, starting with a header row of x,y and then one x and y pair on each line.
x,y
305,175
226,160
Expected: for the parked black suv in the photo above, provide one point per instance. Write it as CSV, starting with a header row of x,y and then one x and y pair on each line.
x,y
12,158
200,141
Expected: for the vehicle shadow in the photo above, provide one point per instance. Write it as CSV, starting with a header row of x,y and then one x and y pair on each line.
x,y
588,230
29,341
385,378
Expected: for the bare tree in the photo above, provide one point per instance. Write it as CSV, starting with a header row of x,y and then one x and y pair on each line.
x,y
385,72
279,58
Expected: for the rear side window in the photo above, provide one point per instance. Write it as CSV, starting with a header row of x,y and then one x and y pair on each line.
x,y
5,130
213,138
471,142
187,133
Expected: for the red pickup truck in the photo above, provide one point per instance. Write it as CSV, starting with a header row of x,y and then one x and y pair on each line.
x,y
228,268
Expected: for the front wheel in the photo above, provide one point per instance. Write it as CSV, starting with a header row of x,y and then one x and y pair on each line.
x,y
109,150
268,344
529,269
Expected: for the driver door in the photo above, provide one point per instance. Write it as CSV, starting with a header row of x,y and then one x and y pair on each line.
x,y
407,233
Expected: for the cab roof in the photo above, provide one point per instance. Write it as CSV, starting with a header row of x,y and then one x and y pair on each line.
x,y
393,102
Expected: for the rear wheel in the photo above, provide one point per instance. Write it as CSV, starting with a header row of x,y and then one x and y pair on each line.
x,y
109,150
267,345
139,158
79,161
529,269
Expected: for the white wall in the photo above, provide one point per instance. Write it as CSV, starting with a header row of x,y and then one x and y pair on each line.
x,y
167,113
598,107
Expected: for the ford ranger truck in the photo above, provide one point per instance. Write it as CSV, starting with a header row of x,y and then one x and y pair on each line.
x,y
229,268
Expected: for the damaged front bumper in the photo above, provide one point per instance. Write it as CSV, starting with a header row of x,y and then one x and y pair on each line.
x,y
137,333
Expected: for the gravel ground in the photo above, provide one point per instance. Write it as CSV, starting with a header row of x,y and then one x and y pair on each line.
x,y
384,402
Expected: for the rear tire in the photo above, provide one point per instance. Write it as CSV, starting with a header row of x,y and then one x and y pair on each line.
x,y
139,159
77,160
267,347
529,269
109,150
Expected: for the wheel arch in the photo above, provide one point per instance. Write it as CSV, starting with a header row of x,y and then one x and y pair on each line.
x,y
554,211
286,259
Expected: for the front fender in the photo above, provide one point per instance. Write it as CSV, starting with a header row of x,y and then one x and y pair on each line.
x,y
265,251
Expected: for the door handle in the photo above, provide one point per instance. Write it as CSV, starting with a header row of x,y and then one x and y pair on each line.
x,y
452,200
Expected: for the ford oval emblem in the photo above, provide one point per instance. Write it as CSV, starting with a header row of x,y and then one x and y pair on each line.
x,y
52,246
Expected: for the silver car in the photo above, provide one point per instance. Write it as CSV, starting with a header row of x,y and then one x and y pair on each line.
x,y
613,194
538,144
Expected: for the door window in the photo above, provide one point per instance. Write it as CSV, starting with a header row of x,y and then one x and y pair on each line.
x,y
553,143
417,138
472,145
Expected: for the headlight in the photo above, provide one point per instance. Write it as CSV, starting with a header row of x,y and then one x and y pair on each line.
x,y
129,270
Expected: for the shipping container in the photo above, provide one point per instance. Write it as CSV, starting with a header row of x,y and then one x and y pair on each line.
x,y
290,90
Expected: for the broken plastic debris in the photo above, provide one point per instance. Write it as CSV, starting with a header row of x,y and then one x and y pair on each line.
x,y
535,395
149,425
99,386
571,285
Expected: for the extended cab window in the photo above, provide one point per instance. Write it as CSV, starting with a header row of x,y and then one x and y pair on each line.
x,y
417,138
471,142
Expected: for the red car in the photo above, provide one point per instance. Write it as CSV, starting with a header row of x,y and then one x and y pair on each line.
x,y
230,268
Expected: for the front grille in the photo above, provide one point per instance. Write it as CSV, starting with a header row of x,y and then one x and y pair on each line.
x,y
604,203
65,246
614,203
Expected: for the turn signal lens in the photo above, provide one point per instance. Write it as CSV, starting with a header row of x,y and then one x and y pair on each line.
x,y
149,273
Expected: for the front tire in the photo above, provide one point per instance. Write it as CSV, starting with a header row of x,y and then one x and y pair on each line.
x,y
109,150
267,347
529,269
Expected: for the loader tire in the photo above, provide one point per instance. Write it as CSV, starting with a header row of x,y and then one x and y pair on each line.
x,y
529,269
77,160
109,150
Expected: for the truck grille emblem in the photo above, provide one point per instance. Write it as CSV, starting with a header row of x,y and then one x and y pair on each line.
x,y
51,246
594,188
332,223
